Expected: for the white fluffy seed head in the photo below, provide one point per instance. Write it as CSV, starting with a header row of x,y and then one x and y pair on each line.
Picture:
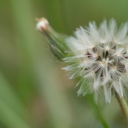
x,y
100,56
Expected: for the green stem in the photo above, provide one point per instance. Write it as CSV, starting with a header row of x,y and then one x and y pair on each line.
x,y
123,105
97,111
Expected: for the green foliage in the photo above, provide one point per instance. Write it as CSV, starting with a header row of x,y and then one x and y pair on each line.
x,y
34,92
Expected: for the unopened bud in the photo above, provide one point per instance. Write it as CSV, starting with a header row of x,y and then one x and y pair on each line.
x,y
56,40
42,24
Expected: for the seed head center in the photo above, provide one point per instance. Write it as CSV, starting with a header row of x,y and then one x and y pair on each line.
x,y
107,48
95,55
117,54
103,63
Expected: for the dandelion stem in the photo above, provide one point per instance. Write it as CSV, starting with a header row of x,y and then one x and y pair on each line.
x,y
97,111
123,106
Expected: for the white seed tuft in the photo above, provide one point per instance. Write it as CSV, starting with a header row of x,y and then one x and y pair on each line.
x,y
100,56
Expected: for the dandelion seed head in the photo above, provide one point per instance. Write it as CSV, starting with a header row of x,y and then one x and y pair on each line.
x,y
100,56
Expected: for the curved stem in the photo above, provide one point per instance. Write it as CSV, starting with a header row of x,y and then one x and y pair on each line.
x,y
123,106
97,111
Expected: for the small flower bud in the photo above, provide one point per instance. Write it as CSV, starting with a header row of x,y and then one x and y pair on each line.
x,y
55,40
42,24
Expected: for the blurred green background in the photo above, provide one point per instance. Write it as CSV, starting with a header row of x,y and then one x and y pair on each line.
x,y
34,91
